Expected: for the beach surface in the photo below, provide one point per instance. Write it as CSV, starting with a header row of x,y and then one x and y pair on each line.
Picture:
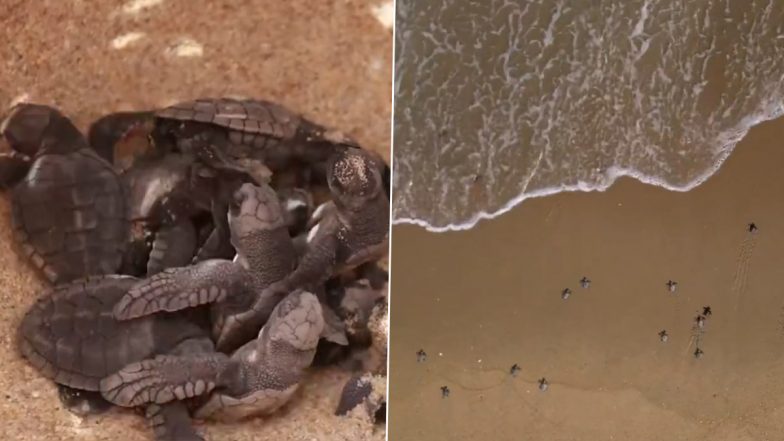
x,y
481,300
329,60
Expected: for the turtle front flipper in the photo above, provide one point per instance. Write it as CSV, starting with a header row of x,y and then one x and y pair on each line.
x,y
175,289
171,422
174,246
164,378
314,268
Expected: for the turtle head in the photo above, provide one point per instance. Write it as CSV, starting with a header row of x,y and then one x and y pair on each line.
x,y
30,129
354,178
296,323
253,209
121,137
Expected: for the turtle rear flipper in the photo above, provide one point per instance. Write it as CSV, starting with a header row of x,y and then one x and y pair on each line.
x,y
175,289
164,378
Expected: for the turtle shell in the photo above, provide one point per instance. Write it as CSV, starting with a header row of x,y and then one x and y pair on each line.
x,y
251,117
70,215
70,335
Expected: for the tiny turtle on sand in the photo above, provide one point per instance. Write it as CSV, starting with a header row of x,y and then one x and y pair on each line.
x,y
257,378
585,282
421,356
698,353
265,254
543,384
514,370
566,293
663,336
70,336
69,209
706,311
445,392
672,286
752,228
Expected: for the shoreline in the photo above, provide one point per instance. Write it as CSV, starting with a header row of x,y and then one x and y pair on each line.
x,y
489,297
613,175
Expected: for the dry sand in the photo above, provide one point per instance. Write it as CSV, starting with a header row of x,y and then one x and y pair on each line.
x,y
481,300
327,59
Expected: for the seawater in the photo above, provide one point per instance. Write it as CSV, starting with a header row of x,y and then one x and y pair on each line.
x,y
499,101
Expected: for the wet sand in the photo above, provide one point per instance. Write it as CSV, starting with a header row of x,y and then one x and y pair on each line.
x,y
329,60
481,300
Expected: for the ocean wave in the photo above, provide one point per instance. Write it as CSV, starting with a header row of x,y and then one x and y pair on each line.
x,y
498,102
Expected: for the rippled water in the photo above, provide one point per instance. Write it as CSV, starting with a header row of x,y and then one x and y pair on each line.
x,y
498,101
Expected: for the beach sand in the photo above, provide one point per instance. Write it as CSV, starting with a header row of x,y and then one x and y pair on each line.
x,y
481,300
329,60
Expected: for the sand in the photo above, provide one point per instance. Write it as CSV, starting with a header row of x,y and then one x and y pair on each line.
x,y
481,300
328,59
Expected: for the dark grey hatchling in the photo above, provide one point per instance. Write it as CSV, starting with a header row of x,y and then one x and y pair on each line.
x,y
352,230
256,379
247,136
71,336
69,208
171,196
265,254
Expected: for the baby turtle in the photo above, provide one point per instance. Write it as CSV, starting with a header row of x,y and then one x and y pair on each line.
x,y
353,230
585,282
265,254
421,356
566,293
258,378
663,336
672,286
698,353
752,227
69,209
706,311
70,336
514,370
445,392
543,384
162,212
235,134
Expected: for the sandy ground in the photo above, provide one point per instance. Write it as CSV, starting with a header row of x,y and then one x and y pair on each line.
x,y
481,300
327,59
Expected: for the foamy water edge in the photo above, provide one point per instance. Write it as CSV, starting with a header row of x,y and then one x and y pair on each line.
x,y
613,174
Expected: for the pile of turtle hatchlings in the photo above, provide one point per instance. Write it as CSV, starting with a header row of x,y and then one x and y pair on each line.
x,y
203,257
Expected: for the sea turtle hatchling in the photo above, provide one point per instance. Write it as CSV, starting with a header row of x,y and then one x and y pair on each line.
x,y
70,336
256,379
265,254
69,208
353,230
241,134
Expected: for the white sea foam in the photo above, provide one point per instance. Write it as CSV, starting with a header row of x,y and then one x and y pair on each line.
x,y
498,102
